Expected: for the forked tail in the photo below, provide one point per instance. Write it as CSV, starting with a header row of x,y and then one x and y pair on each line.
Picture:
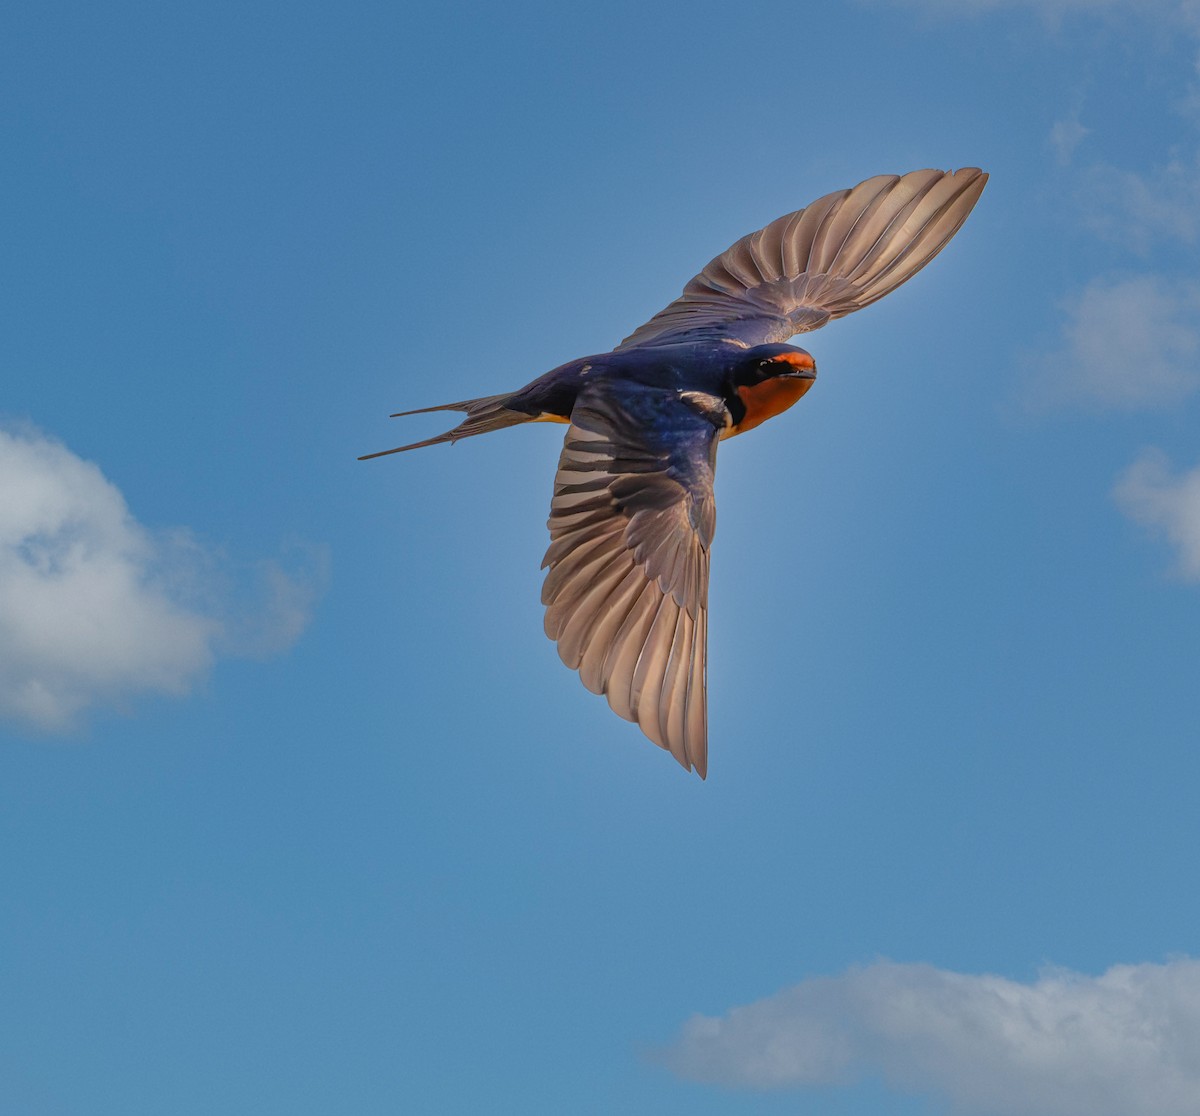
x,y
483,415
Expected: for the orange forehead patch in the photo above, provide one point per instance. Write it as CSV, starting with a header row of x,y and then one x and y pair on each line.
x,y
801,362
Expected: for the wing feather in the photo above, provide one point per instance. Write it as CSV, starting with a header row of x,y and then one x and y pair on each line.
x,y
631,522
672,703
650,669
627,648
835,256
575,634
600,639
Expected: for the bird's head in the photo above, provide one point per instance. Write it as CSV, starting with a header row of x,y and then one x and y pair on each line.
x,y
766,381
770,362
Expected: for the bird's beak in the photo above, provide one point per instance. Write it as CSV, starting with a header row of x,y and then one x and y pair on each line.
x,y
798,366
802,379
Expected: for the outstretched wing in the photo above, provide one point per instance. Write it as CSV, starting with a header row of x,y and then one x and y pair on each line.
x,y
835,256
631,523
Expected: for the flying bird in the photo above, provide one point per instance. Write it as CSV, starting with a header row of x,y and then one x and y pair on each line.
x,y
632,516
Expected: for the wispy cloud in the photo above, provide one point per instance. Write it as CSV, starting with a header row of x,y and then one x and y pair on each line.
x,y
1140,210
1148,492
1055,9
1126,1043
95,608
1065,136
1128,343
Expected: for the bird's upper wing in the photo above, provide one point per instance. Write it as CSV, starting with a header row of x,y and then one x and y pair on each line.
x,y
837,255
631,523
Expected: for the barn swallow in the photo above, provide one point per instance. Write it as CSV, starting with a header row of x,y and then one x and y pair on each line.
x,y
632,516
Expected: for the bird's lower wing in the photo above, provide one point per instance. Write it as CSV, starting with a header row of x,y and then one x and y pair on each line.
x,y
631,523
837,255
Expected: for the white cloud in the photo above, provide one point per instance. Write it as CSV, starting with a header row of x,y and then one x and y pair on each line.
x,y
95,608
1066,135
1054,9
1164,19
1138,210
1128,343
1126,1043
1149,493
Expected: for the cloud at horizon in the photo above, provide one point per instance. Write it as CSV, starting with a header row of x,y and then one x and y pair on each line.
x,y
96,609
1125,1043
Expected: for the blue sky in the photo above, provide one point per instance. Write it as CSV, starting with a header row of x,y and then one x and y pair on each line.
x,y
299,811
